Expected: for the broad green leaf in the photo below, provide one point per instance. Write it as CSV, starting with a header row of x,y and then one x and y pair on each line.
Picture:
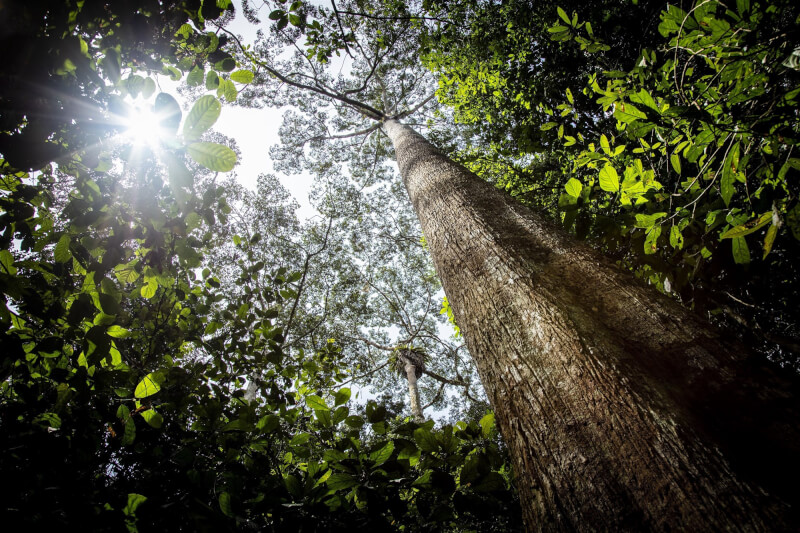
x,y
341,481
7,262
315,402
149,289
129,432
195,77
293,485
383,454
342,396
647,221
225,504
609,179
203,115
300,439
268,423
563,15
126,273
651,241
227,90
675,237
675,160
153,418
168,112
487,425
574,187
149,88
238,425
61,253
741,252
628,113
605,145
769,240
148,386
426,440
242,76
643,97
212,80
134,501
213,156
118,332
748,227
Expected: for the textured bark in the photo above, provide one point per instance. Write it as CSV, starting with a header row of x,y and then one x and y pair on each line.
x,y
622,410
413,390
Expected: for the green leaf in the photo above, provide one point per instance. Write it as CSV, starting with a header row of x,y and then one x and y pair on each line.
x,y
609,179
242,76
741,252
675,160
212,80
341,481
315,402
651,241
61,253
605,145
563,15
342,396
118,332
426,440
149,289
748,227
213,156
574,187
383,454
628,113
126,273
729,171
675,237
268,423
168,112
153,418
195,77
300,439
647,221
134,501
7,262
225,503
769,240
487,425
149,88
148,386
227,90
203,115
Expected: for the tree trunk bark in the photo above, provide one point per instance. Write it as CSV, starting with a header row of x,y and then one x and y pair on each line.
x,y
621,409
413,390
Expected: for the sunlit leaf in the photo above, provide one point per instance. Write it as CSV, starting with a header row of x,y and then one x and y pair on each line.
x,y
148,386
203,115
213,156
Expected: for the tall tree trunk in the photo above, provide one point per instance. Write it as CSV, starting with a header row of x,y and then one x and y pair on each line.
x,y
622,410
413,390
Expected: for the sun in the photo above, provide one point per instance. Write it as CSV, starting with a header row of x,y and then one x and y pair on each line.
x,y
143,127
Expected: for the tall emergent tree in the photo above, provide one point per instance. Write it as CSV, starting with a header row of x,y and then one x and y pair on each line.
x,y
622,409
136,392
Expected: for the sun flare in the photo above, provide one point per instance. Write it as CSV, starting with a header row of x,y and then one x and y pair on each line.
x,y
143,127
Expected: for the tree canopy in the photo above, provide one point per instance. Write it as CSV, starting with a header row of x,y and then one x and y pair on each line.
x,y
180,352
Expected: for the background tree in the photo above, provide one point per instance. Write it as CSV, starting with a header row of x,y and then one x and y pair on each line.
x,y
504,269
